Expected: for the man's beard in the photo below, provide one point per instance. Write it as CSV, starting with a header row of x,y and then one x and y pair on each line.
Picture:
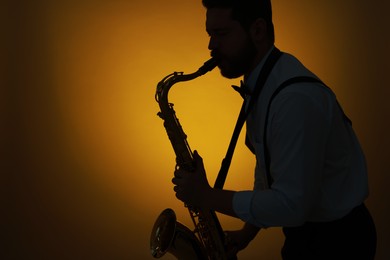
x,y
239,64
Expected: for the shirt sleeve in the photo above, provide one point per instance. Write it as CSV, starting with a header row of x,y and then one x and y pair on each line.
x,y
297,133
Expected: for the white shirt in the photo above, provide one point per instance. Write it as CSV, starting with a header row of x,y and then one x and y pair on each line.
x,y
316,163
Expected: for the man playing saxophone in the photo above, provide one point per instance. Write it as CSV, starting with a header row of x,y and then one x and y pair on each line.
x,y
316,182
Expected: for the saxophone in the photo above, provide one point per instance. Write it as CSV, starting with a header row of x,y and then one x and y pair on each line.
x,y
206,241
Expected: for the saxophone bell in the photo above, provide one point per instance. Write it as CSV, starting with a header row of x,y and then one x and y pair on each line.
x,y
163,233
168,235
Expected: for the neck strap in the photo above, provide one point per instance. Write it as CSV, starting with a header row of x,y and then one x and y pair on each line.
x,y
262,78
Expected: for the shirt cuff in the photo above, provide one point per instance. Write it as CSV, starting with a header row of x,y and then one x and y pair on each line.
x,y
242,201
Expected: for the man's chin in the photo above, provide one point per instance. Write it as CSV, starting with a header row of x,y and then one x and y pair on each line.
x,y
229,73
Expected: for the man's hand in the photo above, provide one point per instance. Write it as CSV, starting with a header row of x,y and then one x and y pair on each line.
x,y
238,240
192,187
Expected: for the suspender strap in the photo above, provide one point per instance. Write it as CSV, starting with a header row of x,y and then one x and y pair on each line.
x,y
263,76
300,79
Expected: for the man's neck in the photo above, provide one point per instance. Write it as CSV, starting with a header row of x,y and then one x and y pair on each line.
x,y
258,58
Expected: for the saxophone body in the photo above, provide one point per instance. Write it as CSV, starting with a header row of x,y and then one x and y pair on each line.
x,y
206,241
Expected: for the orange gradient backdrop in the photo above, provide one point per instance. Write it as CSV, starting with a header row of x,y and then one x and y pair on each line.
x,y
88,163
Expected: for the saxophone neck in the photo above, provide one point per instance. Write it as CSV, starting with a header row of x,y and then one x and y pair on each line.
x,y
208,66
167,82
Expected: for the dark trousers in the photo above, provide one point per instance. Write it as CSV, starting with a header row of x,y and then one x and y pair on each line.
x,y
351,237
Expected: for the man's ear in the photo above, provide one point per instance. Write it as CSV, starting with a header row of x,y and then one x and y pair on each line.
x,y
258,30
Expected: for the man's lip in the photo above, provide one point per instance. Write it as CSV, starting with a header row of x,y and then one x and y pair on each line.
x,y
218,58
215,55
221,61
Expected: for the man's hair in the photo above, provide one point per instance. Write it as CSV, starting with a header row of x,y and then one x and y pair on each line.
x,y
246,12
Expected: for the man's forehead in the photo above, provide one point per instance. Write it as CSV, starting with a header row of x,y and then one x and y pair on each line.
x,y
218,17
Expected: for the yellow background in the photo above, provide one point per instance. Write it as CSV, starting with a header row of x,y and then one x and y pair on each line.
x,y
87,164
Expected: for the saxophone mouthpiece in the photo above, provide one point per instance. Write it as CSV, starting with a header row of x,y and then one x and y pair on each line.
x,y
208,65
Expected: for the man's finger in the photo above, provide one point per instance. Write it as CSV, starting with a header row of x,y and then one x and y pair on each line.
x,y
197,157
232,253
178,173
